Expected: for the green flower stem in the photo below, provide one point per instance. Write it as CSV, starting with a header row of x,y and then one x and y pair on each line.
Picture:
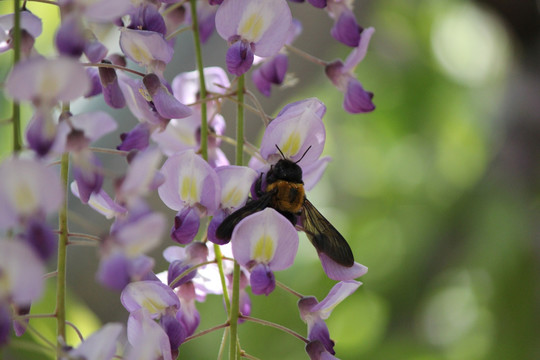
x,y
202,84
219,261
62,257
277,326
16,116
204,332
235,304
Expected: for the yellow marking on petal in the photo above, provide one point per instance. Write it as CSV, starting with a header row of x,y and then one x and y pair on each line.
x,y
24,198
251,28
292,144
232,197
152,306
188,190
263,251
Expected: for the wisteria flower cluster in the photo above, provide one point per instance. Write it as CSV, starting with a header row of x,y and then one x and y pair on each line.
x,y
174,150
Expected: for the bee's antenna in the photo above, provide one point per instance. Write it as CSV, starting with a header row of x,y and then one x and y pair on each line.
x,y
305,152
281,152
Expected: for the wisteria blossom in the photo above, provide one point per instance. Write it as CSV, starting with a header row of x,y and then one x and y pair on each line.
x,y
254,27
171,148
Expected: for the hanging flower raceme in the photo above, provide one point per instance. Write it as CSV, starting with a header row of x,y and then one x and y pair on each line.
x,y
252,27
191,188
357,100
313,313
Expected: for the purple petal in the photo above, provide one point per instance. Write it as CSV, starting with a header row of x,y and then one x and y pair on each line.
x,y
41,238
139,176
148,339
357,100
186,225
95,51
346,29
236,182
188,314
263,85
113,272
153,296
262,280
217,219
22,272
137,104
101,345
263,22
95,87
112,94
312,173
33,80
139,234
41,133
265,237
87,172
144,47
147,17
298,127
358,54
70,39
166,104
337,294
174,330
29,22
27,188
206,15
179,135
185,86
239,58
319,331
336,271
137,138
275,69
101,202
176,268
316,351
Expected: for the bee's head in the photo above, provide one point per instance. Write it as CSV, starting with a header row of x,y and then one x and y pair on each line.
x,y
286,170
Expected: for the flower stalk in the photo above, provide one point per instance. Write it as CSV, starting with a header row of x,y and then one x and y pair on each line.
x,y
16,116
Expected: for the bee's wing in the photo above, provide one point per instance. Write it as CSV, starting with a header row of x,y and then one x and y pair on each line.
x,y
325,237
225,229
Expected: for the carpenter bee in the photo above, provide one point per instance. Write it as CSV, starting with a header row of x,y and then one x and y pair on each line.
x,y
285,193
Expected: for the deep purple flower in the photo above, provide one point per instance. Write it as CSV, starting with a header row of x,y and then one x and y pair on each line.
x,y
314,313
111,88
346,30
137,138
357,100
70,38
270,72
41,238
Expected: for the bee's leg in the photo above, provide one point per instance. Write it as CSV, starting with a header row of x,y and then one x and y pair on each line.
x,y
258,185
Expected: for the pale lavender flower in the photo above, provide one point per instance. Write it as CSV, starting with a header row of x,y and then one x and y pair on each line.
x,y
101,202
165,103
146,48
28,190
252,27
236,182
148,340
31,27
101,345
96,10
264,242
192,188
112,93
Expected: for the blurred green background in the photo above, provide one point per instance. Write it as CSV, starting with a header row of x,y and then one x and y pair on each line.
x,y
437,191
